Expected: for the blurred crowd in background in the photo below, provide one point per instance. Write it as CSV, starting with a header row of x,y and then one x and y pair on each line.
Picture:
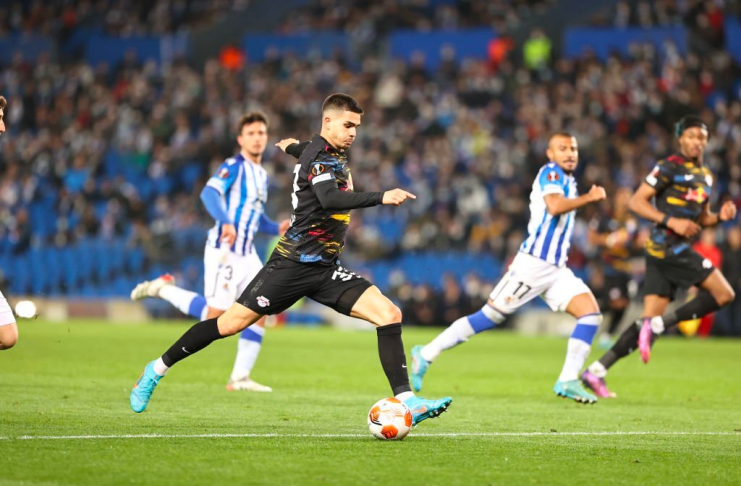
x,y
122,152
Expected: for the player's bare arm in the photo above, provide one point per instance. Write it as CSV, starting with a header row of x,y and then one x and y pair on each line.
x,y
640,203
559,204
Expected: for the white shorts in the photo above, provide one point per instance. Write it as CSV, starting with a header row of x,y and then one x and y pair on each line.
x,y
529,277
226,275
6,313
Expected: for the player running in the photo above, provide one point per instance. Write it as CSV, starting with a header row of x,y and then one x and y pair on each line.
x,y
681,187
235,197
8,326
305,263
539,269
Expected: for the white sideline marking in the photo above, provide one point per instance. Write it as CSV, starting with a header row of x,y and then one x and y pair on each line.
x,y
333,436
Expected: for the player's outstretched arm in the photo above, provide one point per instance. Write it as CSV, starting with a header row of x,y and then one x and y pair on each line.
x,y
558,204
293,147
640,203
330,197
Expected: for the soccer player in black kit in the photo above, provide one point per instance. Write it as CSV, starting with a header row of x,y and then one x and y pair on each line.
x,y
681,187
305,263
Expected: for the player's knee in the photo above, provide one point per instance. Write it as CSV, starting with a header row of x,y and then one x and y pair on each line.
x,y
230,324
8,340
725,297
389,314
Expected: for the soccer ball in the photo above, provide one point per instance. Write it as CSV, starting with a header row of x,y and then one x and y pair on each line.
x,y
389,419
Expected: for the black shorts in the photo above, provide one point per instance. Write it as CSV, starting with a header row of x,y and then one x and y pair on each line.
x,y
681,271
282,282
616,285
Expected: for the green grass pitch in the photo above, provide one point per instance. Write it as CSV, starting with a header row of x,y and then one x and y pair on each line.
x,y
679,418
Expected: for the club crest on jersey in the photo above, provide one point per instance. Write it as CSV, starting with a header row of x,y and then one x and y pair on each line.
x,y
263,301
553,176
317,169
223,173
698,195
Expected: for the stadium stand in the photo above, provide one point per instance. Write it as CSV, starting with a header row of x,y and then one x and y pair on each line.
x,y
99,178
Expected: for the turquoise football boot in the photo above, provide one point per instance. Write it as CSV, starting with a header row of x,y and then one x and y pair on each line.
x,y
143,388
422,409
574,390
419,368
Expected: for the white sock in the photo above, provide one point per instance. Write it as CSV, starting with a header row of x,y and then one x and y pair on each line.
x,y
180,298
247,351
657,325
576,353
204,313
456,333
598,369
160,367
404,395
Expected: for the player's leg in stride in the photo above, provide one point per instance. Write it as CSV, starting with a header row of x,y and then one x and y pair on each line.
x,y
377,309
588,318
458,332
234,320
164,287
248,349
8,326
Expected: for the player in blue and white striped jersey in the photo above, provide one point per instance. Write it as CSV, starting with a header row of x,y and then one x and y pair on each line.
x,y
235,197
539,269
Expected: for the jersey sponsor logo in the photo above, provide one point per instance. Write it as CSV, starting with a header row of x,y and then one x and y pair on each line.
x,y
552,176
707,264
689,177
317,169
263,301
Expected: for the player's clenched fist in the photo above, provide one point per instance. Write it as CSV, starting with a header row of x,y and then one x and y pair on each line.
x,y
397,196
727,211
597,193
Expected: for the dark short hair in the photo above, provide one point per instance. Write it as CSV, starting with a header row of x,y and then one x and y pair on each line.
x,y
3,102
689,121
250,118
559,134
342,102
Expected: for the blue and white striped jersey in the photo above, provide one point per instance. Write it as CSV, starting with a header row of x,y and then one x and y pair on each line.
x,y
549,237
243,186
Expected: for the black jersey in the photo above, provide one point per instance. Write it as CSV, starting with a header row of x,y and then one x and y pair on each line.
x,y
682,189
316,234
617,257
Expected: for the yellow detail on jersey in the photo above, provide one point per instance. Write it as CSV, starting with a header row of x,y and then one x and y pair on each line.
x,y
679,188
345,218
676,202
332,247
654,252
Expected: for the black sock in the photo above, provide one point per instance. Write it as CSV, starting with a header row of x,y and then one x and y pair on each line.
x,y
393,359
616,316
626,344
195,339
703,304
